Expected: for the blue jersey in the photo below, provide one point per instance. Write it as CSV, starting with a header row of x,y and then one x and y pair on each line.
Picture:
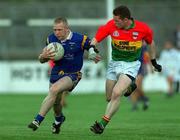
x,y
72,60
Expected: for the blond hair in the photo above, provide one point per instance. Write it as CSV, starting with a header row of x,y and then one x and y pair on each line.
x,y
61,20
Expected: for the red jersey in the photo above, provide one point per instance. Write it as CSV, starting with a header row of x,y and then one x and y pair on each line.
x,y
126,43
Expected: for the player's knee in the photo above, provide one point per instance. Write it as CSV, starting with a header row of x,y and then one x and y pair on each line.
x,y
116,94
49,98
53,90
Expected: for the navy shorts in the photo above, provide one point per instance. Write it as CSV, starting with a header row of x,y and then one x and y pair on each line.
x,y
75,77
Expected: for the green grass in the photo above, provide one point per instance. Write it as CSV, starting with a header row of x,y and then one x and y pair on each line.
x,y
160,122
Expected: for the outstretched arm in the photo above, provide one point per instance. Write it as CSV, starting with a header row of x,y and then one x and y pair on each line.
x,y
94,42
93,51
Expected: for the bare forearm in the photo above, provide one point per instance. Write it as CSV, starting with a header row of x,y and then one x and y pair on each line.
x,y
93,51
152,50
156,66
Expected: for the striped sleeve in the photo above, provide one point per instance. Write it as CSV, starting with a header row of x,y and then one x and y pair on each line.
x,y
85,42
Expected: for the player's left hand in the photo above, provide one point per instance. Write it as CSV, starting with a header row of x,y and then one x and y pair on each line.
x,y
97,58
156,66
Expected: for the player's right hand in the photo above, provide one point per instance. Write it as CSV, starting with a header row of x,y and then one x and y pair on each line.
x,y
47,53
93,55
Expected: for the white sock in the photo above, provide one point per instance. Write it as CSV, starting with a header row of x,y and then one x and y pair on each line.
x,y
56,122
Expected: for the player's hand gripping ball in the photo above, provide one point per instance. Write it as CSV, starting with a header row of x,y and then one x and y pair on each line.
x,y
58,50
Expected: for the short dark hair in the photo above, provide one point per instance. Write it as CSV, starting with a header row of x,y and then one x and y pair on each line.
x,y
122,11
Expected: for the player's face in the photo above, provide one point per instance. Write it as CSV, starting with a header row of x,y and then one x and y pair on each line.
x,y
120,23
60,31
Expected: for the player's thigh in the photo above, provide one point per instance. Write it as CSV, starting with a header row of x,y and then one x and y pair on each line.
x,y
59,95
121,85
109,88
63,84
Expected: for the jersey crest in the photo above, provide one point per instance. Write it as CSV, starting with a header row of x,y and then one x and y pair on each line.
x,y
135,35
116,33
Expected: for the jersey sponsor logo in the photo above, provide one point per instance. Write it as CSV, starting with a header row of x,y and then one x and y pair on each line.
x,y
116,33
126,45
72,45
135,35
69,56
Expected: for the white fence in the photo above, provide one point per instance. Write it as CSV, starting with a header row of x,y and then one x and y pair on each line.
x,y
32,77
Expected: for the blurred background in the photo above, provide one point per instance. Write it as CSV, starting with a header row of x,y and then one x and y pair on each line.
x,y
24,82
25,24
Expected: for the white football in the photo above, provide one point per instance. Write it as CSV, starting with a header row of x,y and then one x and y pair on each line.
x,y
57,48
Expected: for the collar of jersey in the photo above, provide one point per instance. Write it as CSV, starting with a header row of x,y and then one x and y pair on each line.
x,y
68,37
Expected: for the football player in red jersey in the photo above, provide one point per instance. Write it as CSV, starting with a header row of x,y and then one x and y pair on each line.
x,y
127,35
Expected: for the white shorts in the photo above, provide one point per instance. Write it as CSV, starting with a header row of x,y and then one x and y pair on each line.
x,y
116,68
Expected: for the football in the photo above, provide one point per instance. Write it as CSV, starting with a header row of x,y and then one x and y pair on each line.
x,y
57,48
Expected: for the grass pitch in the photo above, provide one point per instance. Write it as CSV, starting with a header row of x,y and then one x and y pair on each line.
x,y
160,122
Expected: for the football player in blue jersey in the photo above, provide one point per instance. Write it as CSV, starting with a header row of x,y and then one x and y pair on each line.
x,y
65,74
